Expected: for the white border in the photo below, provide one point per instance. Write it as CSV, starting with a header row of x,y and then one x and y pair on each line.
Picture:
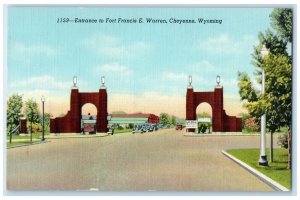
x,y
217,3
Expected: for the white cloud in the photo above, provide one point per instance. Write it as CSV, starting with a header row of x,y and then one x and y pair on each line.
x,y
183,77
225,44
42,82
22,49
219,44
200,66
175,76
113,47
114,68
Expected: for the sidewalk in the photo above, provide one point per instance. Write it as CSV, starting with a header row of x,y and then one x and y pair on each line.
x,y
73,135
189,134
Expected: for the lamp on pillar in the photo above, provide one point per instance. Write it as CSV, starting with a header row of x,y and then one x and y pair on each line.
x,y
190,81
103,81
74,81
43,118
263,157
218,78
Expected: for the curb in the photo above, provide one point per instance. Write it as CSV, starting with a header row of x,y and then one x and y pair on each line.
x,y
214,135
259,175
73,136
23,145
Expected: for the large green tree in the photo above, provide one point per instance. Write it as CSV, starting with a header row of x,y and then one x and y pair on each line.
x,y
276,102
13,112
282,22
32,114
165,119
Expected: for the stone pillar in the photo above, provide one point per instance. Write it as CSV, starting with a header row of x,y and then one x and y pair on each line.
x,y
102,112
218,118
75,117
190,106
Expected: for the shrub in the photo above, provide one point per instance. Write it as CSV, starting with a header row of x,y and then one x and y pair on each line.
x,y
251,125
202,128
283,140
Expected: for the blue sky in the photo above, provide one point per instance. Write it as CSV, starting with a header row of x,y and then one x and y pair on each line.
x,y
141,62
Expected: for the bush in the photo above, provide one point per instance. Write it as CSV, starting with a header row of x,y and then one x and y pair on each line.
x,y
283,140
202,128
251,125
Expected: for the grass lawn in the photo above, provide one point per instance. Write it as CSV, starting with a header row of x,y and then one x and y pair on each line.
x,y
122,131
277,170
35,135
19,143
282,130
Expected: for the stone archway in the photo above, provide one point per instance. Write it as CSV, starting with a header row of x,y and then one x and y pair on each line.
x,y
71,122
221,122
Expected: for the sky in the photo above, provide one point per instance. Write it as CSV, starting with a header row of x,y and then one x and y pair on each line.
x,y
146,65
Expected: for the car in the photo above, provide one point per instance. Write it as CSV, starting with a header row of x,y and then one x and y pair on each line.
x,y
159,126
138,129
179,127
167,126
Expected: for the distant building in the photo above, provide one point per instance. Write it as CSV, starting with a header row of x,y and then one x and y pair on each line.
x,y
136,118
88,123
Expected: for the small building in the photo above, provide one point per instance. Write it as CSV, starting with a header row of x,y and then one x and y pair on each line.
x,y
136,118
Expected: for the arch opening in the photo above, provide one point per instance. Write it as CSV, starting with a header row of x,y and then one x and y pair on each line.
x,y
89,118
204,116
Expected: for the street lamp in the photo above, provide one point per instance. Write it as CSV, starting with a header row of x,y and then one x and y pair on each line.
x,y
218,79
74,81
190,80
102,81
263,157
43,119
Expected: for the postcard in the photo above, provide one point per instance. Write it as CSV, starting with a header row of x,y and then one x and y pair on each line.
x,y
149,99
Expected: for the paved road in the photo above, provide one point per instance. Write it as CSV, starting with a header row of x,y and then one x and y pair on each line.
x,y
160,161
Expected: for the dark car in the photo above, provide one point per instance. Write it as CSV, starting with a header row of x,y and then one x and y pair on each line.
x,y
179,127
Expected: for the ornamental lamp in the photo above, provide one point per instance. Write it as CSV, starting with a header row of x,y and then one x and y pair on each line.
x,y
190,80
102,80
264,51
74,81
218,79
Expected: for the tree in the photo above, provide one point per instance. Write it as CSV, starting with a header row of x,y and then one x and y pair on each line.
x,y
32,114
282,22
174,120
276,102
13,112
165,119
47,117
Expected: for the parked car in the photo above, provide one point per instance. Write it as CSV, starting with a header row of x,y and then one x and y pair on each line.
x,y
138,129
179,127
167,126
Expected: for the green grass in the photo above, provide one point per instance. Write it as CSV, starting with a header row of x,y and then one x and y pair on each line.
x,y
35,135
277,170
282,131
19,143
122,131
